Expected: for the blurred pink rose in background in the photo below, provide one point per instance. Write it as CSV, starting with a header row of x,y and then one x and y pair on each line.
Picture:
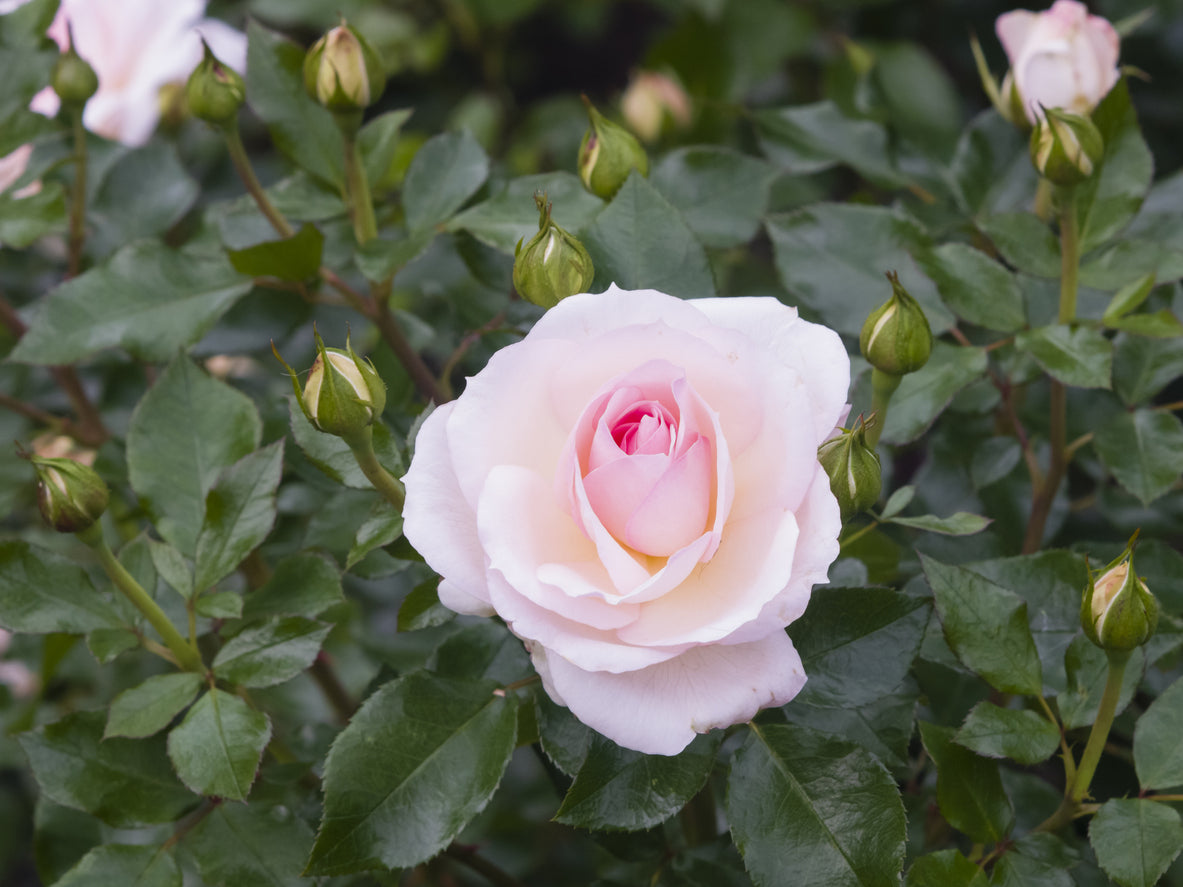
x,y
1060,58
16,676
634,488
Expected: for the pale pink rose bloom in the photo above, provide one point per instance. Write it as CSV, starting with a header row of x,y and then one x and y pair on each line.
x,y
634,488
20,681
1060,58
12,167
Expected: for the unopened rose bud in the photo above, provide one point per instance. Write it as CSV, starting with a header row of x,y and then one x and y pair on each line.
x,y
73,79
342,71
650,101
853,469
1118,612
609,152
214,92
71,496
343,394
1065,147
896,339
553,265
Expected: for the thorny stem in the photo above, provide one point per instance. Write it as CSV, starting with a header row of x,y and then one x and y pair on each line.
x,y
77,199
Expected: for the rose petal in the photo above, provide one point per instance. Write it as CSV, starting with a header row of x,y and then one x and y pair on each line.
x,y
674,512
1014,29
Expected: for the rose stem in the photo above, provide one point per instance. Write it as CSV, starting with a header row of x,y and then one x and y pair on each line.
x,y
77,198
246,172
362,445
361,204
883,386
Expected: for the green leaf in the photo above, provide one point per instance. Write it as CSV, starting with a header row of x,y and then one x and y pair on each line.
x,y
1143,368
151,706
945,868
976,287
1135,840
143,194
299,127
25,220
969,789
832,257
924,394
124,782
1078,356
172,567
216,749
710,865
1158,754
805,139
639,241
42,592
105,644
332,455
148,299
383,526
1128,298
993,732
378,141
304,584
421,608
446,171
565,739
721,194
1161,324
416,763
291,258
857,644
510,215
1144,450
1036,859
1026,243
239,514
272,653
823,809
986,626
219,605
482,651
617,788
246,844
184,431
961,523
993,459
1087,669
897,502
126,865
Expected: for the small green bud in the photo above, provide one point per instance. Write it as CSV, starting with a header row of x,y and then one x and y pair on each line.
x,y
853,469
214,92
1065,147
342,71
71,495
608,154
553,265
896,338
1118,612
73,79
343,394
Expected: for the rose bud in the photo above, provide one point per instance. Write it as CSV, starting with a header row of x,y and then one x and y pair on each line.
x,y
652,100
553,265
609,152
1060,58
71,495
853,469
1065,147
1118,612
896,338
343,394
214,92
342,71
73,79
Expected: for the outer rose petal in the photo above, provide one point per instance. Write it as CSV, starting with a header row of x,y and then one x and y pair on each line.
x,y
659,709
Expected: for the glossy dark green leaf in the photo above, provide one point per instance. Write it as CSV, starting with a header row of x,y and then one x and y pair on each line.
x,y
823,809
832,257
1026,243
564,738
42,592
1144,450
1135,839
883,726
1036,859
291,258
149,707
945,868
216,748
969,790
446,171
986,626
421,608
24,220
304,584
332,455
618,788
1078,356
961,523
124,782
856,644
239,513
924,394
250,845
271,653
416,763
299,127
1087,670
383,526
183,433
510,214
140,865
482,651
1158,754
721,194
639,241
976,287
1024,735
143,194
1142,368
